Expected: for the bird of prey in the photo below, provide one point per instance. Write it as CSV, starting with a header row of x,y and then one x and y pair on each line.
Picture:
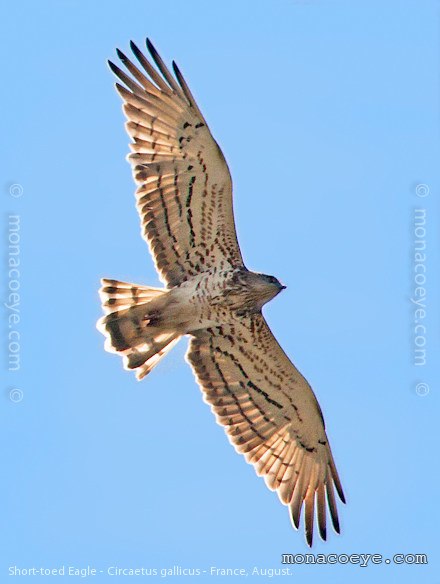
x,y
184,199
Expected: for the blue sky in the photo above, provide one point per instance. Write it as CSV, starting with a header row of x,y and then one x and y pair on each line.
x,y
328,114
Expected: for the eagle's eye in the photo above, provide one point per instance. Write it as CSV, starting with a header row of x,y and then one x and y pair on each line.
x,y
272,280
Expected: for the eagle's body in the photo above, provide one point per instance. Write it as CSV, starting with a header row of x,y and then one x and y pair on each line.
x,y
158,318
184,198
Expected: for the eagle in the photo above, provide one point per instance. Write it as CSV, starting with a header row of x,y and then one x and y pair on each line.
x,y
184,199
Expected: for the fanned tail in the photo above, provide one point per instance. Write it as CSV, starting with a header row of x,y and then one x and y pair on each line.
x,y
135,324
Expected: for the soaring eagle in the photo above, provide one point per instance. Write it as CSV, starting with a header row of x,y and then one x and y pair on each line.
x,y
184,199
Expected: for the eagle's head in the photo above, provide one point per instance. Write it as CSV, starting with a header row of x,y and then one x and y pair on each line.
x,y
268,287
272,281
255,289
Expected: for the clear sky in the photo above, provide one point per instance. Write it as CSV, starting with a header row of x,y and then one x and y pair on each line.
x,y
328,114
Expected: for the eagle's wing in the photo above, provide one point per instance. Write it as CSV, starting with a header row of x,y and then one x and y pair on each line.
x,y
271,415
184,196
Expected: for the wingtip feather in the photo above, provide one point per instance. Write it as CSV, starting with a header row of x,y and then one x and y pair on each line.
x,y
339,489
121,55
135,48
151,48
114,68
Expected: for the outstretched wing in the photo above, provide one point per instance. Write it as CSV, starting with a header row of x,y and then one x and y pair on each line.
x,y
270,414
184,196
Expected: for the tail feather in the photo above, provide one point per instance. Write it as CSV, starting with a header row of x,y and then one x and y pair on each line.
x,y
135,324
120,295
